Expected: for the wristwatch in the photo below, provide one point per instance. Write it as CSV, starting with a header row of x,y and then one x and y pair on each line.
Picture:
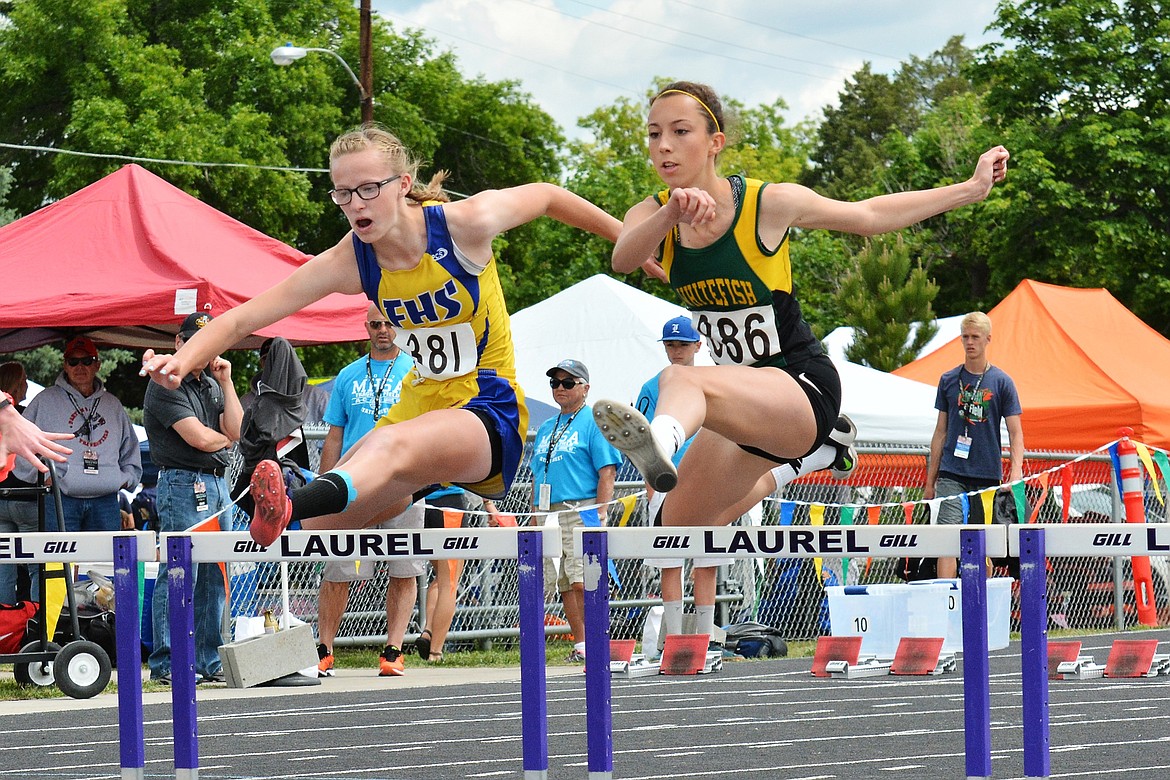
x,y
5,401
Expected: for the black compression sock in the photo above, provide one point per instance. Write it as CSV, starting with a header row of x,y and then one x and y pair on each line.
x,y
328,494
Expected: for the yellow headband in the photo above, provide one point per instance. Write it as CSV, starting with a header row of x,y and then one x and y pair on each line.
x,y
710,113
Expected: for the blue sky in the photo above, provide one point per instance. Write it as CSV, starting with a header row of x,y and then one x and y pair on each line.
x,y
573,56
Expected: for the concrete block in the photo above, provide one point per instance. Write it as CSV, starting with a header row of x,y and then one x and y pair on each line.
x,y
260,659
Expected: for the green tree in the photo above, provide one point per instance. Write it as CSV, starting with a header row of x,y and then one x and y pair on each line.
x,y
884,294
192,80
1080,92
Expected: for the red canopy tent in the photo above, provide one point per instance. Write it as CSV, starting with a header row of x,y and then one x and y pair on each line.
x,y
125,259
1083,364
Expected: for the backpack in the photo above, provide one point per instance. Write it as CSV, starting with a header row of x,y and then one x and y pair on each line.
x,y
914,569
755,640
14,625
96,625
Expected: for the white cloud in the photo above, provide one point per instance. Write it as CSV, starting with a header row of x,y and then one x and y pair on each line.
x,y
574,56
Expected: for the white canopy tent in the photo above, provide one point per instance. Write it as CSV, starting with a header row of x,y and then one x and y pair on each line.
x,y
614,328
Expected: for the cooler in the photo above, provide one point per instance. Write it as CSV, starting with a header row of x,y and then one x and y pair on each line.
x,y
882,614
999,608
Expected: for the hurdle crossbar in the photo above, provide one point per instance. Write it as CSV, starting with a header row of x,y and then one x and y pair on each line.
x,y
971,545
528,545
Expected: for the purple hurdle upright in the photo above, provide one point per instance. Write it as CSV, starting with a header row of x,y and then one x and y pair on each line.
x,y
598,715
181,612
1034,651
976,667
533,682
128,639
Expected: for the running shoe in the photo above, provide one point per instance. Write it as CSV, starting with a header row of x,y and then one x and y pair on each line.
x,y
845,462
391,663
841,438
273,507
844,431
576,657
627,429
325,661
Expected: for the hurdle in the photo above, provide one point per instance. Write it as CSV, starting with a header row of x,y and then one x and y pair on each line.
x,y
528,545
1033,544
971,544
124,549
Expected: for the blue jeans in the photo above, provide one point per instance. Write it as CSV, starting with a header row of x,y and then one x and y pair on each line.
x,y
85,514
176,512
17,517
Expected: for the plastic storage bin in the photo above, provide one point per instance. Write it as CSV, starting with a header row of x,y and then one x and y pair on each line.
x,y
999,608
882,614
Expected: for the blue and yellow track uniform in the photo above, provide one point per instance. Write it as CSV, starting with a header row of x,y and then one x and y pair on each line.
x,y
450,316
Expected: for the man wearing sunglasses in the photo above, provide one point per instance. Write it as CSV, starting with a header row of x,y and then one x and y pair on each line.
x,y
105,455
573,468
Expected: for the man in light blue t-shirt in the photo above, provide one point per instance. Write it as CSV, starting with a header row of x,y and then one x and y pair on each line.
x,y
363,392
572,466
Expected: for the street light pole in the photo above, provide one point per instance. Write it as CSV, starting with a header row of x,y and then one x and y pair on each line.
x,y
366,55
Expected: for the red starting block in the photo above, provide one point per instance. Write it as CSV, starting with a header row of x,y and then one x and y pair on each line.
x,y
835,648
1059,653
684,653
918,655
622,649
1136,658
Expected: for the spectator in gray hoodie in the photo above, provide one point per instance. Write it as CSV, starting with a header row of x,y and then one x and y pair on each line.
x,y
105,448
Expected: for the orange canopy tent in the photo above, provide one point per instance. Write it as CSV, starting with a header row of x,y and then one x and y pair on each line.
x,y
1083,364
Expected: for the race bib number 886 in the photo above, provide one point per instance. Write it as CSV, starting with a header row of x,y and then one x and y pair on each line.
x,y
739,338
440,353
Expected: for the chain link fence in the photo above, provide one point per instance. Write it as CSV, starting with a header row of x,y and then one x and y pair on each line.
x,y
885,488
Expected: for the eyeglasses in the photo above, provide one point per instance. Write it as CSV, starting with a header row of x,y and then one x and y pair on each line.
x,y
88,360
378,324
343,195
568,384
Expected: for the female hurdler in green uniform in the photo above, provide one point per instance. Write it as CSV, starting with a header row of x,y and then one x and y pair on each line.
x,y
773,395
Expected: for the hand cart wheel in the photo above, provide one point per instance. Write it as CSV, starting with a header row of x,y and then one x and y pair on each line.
x,y
82,669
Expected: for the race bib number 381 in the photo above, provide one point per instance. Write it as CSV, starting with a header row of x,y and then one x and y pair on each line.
x,y
440,353
739,338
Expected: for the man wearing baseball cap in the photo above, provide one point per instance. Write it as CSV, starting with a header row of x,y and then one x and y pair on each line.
x,y
191,431
105,455
573,468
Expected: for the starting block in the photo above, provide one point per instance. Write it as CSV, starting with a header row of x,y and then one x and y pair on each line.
x,y
1065,662
625,662
867,666
844,649
687,654
1136,658
1082,668
922,655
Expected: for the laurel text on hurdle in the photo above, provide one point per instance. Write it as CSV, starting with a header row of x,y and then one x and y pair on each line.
x,y
359,545
787,541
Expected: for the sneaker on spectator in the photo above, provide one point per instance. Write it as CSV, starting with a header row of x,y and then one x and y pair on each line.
x,y
391,664
325,661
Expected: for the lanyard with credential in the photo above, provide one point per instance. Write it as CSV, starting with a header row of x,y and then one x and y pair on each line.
x,y
972,394
381,385
555,437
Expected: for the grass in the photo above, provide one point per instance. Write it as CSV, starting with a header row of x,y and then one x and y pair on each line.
x,y
556,653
